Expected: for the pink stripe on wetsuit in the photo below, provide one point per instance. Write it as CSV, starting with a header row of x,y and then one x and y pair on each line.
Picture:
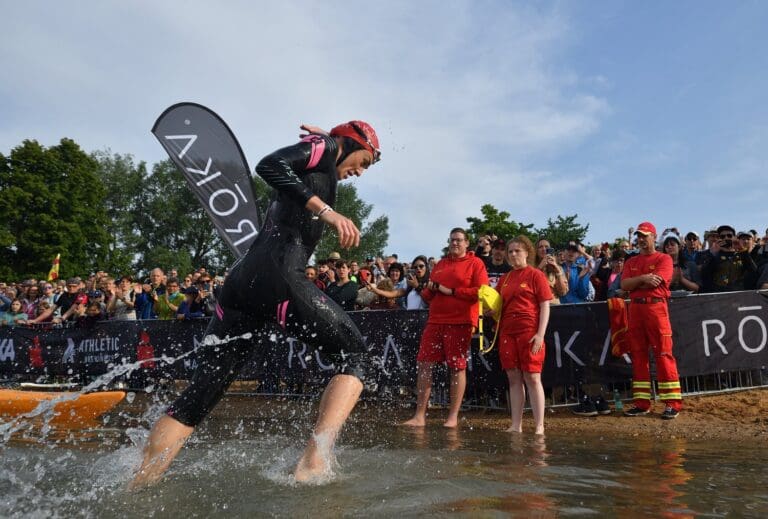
x,y
318,148
282,310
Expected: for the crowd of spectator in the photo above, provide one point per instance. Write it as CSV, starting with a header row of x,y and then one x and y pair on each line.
x,y
82,302
725,260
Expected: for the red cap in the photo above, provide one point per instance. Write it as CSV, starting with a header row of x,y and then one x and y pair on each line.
x,y
362,133
81,299
646,228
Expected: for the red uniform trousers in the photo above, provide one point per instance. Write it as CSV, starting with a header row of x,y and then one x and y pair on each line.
x,y
649,326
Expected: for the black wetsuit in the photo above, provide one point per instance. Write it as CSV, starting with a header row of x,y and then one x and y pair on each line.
x,y
267,286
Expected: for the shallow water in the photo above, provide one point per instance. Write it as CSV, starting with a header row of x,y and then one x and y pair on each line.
x,y
242,467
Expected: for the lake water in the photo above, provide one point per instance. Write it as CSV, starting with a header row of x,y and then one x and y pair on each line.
x,y
239,464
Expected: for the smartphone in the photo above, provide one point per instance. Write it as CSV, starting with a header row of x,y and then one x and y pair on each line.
x,y
412,273
550,251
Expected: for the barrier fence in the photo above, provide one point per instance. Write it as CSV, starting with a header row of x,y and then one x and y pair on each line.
x,y
719,342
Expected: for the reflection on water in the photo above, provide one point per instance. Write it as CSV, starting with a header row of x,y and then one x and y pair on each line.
x,y
242,467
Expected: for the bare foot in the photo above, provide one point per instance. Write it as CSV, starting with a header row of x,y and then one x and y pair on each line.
x,y
514,430
309,468
316,459
451,423
539,432
415,422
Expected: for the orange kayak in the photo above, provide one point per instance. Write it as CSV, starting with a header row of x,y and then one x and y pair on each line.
x,y
71,409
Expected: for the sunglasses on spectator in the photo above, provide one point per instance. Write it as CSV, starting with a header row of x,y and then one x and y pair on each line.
x,y
48,287
725,236
419,266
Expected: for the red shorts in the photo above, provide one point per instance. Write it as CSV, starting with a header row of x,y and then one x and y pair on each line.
x,y
515,353
447,343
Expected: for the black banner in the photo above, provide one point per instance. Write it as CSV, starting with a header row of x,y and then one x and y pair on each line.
x,y
711,333
204,149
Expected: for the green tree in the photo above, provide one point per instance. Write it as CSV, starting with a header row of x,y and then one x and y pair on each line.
x,y
124,182
373,234
495,222
51,201
172,228
563,229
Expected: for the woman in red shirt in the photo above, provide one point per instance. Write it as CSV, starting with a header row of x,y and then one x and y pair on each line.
x,y
526,295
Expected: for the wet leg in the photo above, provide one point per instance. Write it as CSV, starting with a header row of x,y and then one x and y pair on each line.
x,y
516,399
536,395
165,441
423,389
458,386
338,400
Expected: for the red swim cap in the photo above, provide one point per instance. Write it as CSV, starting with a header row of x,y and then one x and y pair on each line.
x,y
362,133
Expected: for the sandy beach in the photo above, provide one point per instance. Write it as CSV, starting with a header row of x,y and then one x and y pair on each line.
x,y
740,415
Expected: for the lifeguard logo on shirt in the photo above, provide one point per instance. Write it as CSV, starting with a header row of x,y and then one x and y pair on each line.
x,y
651,267
523,285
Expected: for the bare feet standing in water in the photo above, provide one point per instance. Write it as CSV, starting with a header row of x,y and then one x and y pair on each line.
x,y
453,312
525,293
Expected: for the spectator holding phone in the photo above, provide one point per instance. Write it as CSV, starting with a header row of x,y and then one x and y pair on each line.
x,y
484,247
577,273
206,294
415,281
547,263
192,306
728,270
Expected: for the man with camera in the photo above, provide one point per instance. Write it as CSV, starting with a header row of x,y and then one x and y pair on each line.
x,y
728,270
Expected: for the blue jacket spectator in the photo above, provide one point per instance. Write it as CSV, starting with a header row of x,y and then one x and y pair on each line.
x,y
577,271
191,307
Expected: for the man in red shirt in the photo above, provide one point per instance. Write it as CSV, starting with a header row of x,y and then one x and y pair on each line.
x,y
646,277
453,310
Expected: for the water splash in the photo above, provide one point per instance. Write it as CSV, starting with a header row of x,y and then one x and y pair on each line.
x,y
45,410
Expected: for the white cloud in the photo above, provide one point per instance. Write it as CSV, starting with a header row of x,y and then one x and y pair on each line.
x,y
465,96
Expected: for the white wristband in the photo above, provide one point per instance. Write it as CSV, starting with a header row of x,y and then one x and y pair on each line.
x,y
326,208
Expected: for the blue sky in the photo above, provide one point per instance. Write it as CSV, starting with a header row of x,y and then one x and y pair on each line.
x,y
616,111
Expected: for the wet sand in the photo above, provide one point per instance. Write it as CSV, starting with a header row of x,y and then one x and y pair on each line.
x,y
738,416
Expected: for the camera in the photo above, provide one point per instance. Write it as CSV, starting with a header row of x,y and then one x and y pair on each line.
x,y
550,251
412,273
728,243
